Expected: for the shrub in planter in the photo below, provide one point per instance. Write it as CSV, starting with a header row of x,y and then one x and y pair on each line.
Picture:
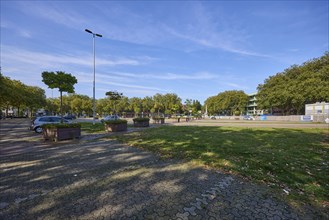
x,y
116,125
141,122
58,132
158,120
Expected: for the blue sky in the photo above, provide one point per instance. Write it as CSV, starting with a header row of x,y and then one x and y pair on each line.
x,y
195,49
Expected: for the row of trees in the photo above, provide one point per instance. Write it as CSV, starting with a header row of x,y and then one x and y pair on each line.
x,y
72,103
24,98
285,93
15,94
288,92
80,104
231,102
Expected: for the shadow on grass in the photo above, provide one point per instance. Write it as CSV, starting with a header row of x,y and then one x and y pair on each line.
x,y
292,159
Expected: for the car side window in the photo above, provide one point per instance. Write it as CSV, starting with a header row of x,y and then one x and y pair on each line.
x,y
45,119
55,119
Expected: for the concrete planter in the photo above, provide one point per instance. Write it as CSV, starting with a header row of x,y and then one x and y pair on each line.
x,y
58,134
116,127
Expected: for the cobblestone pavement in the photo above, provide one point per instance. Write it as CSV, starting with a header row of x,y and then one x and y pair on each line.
x,y
102,179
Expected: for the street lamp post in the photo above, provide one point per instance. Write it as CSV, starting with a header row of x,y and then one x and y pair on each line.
x,y
94,107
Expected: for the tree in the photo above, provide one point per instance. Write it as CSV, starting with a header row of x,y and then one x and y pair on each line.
x,y
288,91
78,104
192,105
103,106
158,103
6,92
135,105
14,93
171,103
228,102
36,98
64,82
148,104
122,104
114,96
53,105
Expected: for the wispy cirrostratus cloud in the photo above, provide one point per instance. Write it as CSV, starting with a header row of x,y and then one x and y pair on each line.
x,y
21,31
168,76
50,59
216,31
235,86
54,12
203,28
125,85
218,43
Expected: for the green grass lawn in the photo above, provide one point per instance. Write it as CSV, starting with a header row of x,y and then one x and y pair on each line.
x,y
292,159
88,127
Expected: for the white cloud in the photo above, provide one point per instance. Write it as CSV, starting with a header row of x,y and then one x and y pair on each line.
x,y
23,32
215,31
234,85
54,12
168,76
204,28
135,86
47,60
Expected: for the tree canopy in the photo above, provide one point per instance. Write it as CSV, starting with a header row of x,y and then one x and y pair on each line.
x,y
290,90
64,82
227,103
14,93
166,104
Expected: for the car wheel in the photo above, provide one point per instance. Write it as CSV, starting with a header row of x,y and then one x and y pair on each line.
x,y
38,129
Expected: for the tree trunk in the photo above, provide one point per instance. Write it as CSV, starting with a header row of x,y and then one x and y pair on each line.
x,y
61,107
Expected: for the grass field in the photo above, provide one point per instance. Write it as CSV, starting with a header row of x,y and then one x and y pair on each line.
x,y
294,161
90,128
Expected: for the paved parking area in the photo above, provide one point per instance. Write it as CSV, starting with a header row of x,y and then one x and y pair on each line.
x,y
103,179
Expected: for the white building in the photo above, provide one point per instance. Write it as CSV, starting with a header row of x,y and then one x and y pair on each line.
x,y
252,105
319,108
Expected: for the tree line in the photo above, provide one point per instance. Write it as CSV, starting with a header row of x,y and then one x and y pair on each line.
x,y
231,102
26,99
287,92
169,104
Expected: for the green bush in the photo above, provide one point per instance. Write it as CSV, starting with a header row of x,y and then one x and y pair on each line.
x,y
116,122
141,119
61,125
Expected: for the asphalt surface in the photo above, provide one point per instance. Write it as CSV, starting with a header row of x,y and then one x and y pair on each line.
x,y
103,179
